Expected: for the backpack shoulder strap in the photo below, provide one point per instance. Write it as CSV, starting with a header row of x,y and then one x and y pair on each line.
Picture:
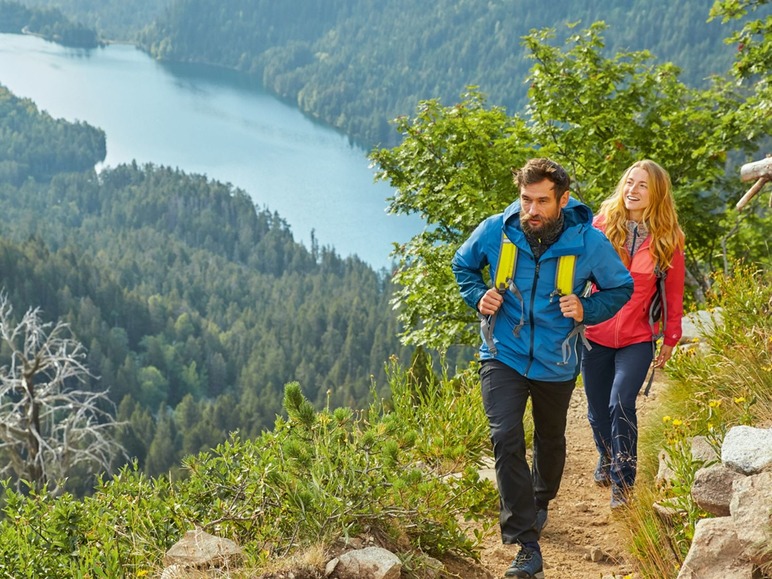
x,y
657,311
658,306
564,275
505,267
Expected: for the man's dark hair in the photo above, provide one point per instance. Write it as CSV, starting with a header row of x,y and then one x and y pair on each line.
x,y
539,169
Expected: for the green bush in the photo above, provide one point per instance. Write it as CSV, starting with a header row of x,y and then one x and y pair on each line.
x,y
317,477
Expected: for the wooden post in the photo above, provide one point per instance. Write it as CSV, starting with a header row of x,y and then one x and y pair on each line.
x,y
756,170
761,172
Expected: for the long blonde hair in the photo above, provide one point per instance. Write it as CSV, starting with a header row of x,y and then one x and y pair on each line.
x,y
660,216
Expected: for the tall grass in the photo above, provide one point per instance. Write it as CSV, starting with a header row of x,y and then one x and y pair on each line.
x,y
722,381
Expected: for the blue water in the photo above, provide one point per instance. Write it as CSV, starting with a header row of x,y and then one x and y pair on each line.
x,y
213,122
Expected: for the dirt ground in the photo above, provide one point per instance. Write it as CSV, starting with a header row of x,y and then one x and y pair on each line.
x,y
582,539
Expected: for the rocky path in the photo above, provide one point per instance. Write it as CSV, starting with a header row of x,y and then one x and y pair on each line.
x,y
582,539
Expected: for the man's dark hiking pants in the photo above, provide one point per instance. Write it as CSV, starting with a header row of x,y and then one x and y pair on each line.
x,y
505,393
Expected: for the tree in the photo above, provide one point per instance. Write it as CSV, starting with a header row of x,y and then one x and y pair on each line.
x,y
49,429
591,113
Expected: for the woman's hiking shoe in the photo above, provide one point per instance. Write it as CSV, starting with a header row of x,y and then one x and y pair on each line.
x,y
618,497
602,475
527,564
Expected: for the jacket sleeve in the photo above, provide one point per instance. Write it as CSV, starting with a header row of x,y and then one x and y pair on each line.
x,y
674,298
468,263
612,280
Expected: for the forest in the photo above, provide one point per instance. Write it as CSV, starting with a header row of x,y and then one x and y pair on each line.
x,y
49,23
195,307
356,65
206,322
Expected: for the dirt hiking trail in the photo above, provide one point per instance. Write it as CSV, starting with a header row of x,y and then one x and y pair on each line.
x,y
582,539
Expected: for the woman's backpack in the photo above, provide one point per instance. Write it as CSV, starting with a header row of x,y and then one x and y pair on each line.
x,y
657,316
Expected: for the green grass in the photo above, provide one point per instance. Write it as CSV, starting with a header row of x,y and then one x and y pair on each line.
x,y
720,382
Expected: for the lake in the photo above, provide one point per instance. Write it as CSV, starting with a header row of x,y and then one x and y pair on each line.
x,y
216,123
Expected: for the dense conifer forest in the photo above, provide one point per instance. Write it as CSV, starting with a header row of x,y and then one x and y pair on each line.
x,y
196,308
199,311
50,23
358,64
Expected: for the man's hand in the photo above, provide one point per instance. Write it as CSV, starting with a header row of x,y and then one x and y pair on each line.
x,y
572,307
490,303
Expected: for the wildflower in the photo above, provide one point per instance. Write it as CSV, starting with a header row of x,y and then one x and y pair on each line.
x,y
739,400
677,422
715,403
666,419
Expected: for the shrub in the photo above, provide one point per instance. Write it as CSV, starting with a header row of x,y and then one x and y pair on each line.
x,y
317,477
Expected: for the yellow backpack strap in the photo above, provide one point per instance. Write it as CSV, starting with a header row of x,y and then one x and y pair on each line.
x,y
564,277
564,285
505,268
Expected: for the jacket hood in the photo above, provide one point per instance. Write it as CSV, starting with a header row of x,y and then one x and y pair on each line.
x,y
575,213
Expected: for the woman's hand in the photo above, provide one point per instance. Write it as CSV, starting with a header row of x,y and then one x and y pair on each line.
x,y
664,355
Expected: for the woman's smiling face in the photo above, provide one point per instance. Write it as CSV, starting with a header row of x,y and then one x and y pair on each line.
x,y
636,193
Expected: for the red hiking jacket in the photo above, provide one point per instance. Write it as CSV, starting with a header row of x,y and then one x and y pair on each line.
x,y
630,325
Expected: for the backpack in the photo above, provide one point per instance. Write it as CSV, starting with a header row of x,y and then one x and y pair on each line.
x,y
657,315
505,280
658,306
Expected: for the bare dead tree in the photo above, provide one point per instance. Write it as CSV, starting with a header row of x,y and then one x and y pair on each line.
x,y
48,425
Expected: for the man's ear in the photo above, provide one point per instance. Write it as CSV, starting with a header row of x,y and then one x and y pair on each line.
x,y
564,199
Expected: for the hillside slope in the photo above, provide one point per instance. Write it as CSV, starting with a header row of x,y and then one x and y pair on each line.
x,y
358,64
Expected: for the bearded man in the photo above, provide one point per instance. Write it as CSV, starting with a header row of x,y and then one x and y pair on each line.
x,y
530,322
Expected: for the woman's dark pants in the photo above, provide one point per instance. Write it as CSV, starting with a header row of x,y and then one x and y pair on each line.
x,y
612,379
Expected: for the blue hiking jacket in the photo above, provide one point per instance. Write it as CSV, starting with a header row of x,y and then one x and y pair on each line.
x,y
536,350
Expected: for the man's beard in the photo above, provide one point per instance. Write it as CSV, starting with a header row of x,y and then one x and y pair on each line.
x,y
547,228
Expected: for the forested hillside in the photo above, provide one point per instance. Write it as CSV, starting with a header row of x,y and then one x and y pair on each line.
x,y
115,20
358,64
50,23
196,308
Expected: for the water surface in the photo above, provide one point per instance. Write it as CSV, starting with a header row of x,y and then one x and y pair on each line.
x,y
214,122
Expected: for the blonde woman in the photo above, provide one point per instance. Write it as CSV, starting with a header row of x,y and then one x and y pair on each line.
x,y
641,222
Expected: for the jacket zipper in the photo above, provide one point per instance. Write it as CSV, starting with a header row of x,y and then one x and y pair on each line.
x,y
530,315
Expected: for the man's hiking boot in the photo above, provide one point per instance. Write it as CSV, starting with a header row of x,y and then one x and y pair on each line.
x,y
527,564
541,520
602,475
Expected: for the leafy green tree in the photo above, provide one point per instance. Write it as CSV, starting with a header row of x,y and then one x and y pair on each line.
x,y
593,114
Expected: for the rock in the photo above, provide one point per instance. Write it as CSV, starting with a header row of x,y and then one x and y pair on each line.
x,y
182,572
712,489
198,549
751,509
596,554
368,563
703,451
716,553
665,474
695,325
747,450
667,513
